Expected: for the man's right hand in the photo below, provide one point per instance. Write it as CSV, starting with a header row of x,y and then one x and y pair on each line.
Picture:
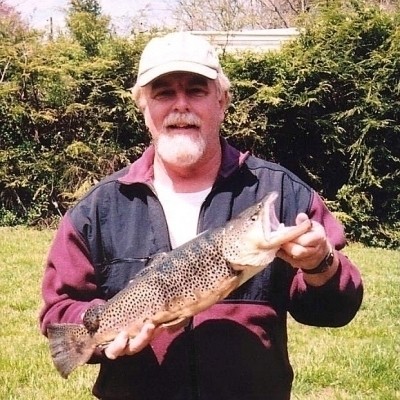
x,y
122,345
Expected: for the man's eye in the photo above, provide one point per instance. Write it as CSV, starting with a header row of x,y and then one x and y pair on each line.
x,y
197,91
163,94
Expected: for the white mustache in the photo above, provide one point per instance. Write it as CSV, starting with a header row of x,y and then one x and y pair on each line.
x,y
182,119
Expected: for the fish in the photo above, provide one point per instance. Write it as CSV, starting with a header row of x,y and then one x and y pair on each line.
x,y
179,284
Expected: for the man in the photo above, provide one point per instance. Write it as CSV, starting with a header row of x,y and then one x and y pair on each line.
x,y
188,181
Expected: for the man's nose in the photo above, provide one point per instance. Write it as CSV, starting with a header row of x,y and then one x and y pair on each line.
x,y
181,102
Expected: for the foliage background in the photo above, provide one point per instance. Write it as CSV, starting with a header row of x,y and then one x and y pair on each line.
x,y
326,106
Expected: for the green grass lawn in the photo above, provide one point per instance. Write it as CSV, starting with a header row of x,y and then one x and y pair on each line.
x,y
358,362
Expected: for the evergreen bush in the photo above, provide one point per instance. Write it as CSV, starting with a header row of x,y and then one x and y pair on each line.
x,y
326,106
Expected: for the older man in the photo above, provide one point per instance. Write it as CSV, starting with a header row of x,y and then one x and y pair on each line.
x,y
189,180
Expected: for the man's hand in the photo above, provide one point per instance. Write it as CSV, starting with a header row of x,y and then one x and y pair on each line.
x,y
308,250
123,346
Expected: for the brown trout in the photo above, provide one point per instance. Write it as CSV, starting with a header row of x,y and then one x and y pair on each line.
x,y
179,284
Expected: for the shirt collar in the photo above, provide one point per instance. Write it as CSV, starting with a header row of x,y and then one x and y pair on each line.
x,y
141,171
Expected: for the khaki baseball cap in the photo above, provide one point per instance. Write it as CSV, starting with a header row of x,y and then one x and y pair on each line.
x,y
177,52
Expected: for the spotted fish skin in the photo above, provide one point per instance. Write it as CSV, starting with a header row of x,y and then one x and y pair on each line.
x,y
178,284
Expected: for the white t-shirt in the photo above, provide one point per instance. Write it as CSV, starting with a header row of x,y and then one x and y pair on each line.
x,y
181,211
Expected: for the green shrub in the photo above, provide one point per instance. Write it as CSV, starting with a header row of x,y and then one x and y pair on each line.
x,y
326,106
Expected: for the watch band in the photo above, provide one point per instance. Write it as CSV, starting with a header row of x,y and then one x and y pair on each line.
x,y
323,265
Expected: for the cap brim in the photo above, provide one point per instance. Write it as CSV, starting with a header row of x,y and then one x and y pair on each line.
x,y
176,66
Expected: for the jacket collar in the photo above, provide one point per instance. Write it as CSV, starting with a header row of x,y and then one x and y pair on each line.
x,y
141,171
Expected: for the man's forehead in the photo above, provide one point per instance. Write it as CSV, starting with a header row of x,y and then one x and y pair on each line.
x,y
179,77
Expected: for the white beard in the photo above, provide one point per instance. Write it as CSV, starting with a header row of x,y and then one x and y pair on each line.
x,y
180,149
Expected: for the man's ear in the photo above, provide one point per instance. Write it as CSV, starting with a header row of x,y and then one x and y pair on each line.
x,y
224,103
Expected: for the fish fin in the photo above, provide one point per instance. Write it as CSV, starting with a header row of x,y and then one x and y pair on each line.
x,y
176,324
71,345
92,317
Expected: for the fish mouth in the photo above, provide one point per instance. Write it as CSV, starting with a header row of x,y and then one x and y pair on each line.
x,y
270,222
276,233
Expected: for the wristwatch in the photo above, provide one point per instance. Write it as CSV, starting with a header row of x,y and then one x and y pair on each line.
x,y
323,265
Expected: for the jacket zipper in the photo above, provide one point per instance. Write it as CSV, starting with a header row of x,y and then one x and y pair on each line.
x,y
189,330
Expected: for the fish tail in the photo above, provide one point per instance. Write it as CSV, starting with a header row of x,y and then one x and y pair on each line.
x,y
71,345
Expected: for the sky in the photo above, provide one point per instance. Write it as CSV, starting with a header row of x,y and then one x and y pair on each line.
x,y
39,12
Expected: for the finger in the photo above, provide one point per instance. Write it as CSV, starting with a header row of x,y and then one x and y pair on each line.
x,y
301,218
117,347
312,239
284,256
140,341
306,250
297,249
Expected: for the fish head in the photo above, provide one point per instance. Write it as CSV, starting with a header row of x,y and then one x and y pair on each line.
x,y
253,238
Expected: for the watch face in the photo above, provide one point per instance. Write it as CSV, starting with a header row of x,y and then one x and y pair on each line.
x,y
327,262
329,259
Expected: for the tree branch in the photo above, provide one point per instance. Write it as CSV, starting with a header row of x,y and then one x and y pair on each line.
x,y
276,9
5,69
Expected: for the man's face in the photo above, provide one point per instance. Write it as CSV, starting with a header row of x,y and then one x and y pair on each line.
x,y
183,112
